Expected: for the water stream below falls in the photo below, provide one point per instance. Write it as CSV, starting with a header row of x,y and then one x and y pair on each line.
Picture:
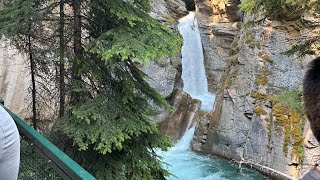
x,y
184,163
188,165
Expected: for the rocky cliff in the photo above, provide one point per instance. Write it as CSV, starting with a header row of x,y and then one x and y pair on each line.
x,y
251,77
251,122
14,79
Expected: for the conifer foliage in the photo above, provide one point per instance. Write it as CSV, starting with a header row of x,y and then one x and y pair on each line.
x,y
107,126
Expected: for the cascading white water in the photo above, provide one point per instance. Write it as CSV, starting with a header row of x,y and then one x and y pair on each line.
x,y
193,71
184,163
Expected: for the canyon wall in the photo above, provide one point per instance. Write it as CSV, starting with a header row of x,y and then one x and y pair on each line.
x,y
248,72
165,76
14,79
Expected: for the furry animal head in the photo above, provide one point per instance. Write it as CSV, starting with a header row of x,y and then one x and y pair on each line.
x,y
311,95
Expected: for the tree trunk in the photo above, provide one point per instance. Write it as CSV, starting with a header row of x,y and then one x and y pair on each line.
x,y
33,82
75,77
61,63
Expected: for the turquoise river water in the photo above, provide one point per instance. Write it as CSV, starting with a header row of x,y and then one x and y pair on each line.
x,y
188,165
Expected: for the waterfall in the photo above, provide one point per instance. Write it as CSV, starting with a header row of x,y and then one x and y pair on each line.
x,y
184,163
193,71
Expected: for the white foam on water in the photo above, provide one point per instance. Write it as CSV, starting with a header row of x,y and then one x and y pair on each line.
x,y
188,165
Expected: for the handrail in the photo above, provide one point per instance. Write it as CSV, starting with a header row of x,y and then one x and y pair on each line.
x,y
59,161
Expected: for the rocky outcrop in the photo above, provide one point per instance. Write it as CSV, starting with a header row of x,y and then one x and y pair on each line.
x,y
187,111
246,69
168,11
164,76
15,87
217,35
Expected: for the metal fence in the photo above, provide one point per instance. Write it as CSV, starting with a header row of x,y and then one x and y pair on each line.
x,y
32,165
40,159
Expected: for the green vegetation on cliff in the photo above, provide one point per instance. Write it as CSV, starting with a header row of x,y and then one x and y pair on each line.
x,y
285,119
288,112
287,10
279,9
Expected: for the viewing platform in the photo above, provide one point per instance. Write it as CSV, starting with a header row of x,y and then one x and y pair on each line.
x,y
40,159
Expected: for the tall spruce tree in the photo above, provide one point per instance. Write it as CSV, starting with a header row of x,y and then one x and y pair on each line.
x,y
111,126
107,124
62,71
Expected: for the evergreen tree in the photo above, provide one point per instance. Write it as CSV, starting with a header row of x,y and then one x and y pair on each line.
x,y
107,124
111,125
62,71
279,9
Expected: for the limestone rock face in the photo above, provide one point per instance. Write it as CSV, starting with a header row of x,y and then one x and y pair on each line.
x,y
165,73
15,87
217,34
162,9
186,113
245,69
14,79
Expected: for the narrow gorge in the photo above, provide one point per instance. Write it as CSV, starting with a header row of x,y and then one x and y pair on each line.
x,y
236,95
181,160
193,71
252,79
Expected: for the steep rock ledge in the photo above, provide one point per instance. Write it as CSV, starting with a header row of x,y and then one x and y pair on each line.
x,y
168,10
246,69
165,73
217,34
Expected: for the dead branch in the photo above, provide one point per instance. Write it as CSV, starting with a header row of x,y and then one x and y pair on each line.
x,y
255,164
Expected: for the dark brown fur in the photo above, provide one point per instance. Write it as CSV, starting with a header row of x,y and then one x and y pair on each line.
x,y
311,94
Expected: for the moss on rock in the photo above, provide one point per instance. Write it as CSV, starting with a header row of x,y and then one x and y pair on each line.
x,y
259,111
288,115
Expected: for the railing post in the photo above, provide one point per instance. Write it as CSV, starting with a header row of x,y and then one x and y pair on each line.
x,y
1,101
